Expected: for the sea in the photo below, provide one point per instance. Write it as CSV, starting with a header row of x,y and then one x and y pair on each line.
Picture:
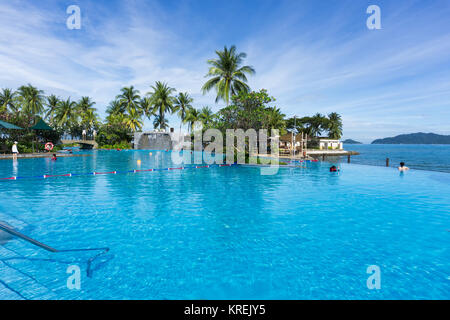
x,y
416,156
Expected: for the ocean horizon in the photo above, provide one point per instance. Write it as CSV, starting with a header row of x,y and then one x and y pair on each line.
x,y
431,157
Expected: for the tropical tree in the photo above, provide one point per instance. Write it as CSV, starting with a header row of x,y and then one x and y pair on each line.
x,y
114,108
206,116
162,123
66,114
227,75
85,104
87,113
192,116
133,120
52,104
274,119
183,102
31,100
7,101
162,101
129,99
146,106
334,125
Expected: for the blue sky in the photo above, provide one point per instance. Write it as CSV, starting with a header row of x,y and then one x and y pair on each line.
x,y
313,56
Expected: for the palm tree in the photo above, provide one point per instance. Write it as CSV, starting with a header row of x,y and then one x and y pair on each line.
x,y
85,104
7,101
317,124
183,102
192,116
133,120
52,105
334,125
206,116
162,123
31,99
275,119
129,99
114,108
89,119
162,101
146,106
66,114
228,77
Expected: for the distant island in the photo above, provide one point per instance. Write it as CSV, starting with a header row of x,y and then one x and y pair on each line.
x,y
415,138
350,141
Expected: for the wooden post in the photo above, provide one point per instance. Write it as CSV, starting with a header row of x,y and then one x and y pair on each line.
x,y
387,162
348,159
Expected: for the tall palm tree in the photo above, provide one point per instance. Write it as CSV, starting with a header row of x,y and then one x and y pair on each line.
x,y
66,114
192,116
206,116
114,108
31,99
181,105
334,125
89,119
85,104
162,123
52,104
275,119
228,77
162,101
146,106
129,99
7,101
133,120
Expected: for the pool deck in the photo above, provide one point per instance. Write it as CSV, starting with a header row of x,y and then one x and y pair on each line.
x,y
41,155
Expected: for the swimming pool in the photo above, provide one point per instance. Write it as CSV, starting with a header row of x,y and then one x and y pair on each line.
x,y
224,233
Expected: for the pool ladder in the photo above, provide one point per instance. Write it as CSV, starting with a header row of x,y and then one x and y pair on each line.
x,y
50,249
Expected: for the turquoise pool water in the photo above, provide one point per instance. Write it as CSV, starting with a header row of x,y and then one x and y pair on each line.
x,y
224,233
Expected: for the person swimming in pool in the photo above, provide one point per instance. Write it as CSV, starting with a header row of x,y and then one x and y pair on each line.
x,y
402,167
54,157
334,169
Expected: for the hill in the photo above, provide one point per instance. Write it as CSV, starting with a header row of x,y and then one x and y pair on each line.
x,y
351,141
415,138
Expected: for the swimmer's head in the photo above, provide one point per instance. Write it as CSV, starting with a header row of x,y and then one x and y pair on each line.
x,y
402,164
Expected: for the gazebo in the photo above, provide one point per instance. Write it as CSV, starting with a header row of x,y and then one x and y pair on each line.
x,y
41,125
7,125
289,144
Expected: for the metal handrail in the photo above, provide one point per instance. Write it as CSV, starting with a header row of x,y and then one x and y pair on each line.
x,y
26,238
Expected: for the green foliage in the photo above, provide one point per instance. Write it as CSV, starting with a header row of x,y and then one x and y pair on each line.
x,y
119,145
162,101
113,134
251,111
228,78
314,126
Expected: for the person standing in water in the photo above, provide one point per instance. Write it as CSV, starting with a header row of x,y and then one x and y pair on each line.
x,y
402,167
14,150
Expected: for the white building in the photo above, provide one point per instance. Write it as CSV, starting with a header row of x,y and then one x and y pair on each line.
x,y
330,144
